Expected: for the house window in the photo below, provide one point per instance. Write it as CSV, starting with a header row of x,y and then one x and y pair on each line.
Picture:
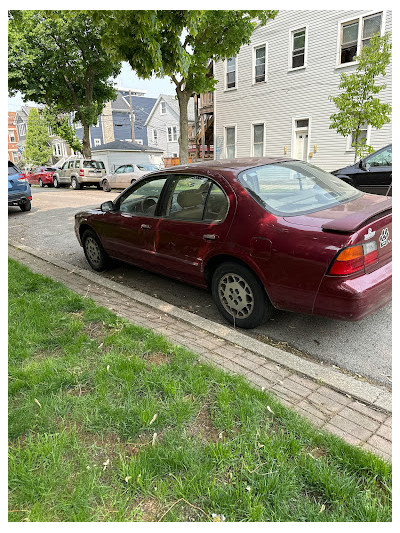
x,y
21,129
231,73
230,142
355,34
258,140
172,134
259,61
364,133
11,136
163,106
298,44
155,137
97,142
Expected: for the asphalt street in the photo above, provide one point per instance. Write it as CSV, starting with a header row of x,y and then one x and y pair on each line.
x,y
363,348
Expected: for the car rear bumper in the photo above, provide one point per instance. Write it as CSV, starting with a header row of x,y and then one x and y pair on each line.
x,y
356,298
19,198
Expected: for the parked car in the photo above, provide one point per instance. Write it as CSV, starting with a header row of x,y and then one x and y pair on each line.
x,y
261,233
41,176
79,172
124,175
19,190
372,174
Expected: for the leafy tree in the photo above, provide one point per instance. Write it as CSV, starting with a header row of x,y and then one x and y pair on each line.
x,y
60,126
179,44
56,58
37,149
357,104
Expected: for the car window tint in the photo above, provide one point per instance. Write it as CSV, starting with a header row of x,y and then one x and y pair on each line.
x,y
186,199
12,169
380,159
142,199
294,188
71,164
89,164
129,168
120,170
217,205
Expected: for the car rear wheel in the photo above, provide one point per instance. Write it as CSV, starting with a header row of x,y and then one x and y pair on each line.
x,y
75,184
56,183
106,186
94,251
41,184
27,206
240,296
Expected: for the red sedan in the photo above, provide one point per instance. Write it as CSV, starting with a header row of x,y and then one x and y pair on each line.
x,y
41,176
261,233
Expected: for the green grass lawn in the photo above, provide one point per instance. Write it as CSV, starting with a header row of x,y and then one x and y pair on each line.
x,y
111,422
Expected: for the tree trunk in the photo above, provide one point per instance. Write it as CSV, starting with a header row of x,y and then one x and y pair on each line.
x,y
87,151
183,99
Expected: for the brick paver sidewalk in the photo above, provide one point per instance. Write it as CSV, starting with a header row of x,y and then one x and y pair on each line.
x,y
365,424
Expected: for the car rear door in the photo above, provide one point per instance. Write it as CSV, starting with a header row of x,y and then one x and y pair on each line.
x,y
377,177
197,214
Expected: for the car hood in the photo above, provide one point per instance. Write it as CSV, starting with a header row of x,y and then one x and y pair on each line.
x,y
344,217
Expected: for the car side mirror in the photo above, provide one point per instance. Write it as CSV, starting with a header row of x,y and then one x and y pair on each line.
x,y
107,206
361,164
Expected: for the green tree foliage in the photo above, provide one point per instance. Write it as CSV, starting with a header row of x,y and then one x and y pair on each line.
x,y
37,145
56,58
60,126
179,44
357,103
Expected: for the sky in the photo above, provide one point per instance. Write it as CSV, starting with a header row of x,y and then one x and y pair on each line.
x,y
127,79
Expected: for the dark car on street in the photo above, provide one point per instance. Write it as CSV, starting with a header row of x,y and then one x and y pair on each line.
x,y
372,174
19,190
261,233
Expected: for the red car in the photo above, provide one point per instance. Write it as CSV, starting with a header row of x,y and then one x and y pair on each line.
x,y
41,176
261,233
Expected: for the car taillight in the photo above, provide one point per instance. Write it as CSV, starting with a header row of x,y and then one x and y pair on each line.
x,y
354,258
81,172
21,178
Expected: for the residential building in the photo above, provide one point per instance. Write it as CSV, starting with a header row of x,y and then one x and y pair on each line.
x,y
114,124
13,154
272,99
163,125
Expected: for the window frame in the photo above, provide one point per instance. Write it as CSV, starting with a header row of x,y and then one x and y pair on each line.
x,y
255,47
292,31
358,18
97,141
257,123
349,148
133,187
155,137
226,88
11,136
163,102
227,126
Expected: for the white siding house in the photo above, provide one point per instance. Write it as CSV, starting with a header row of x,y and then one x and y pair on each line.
x,y
272,99
163,124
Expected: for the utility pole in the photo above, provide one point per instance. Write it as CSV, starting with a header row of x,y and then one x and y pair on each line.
x,y
132,120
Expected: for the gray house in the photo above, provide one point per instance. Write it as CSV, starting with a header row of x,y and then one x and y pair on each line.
x,y
273,98
163,124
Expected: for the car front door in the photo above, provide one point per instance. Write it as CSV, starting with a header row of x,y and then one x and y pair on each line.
x,y
196,216
128,232
375,175
116,178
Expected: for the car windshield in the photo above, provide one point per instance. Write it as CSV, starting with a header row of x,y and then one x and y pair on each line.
x,y
147,167
295,188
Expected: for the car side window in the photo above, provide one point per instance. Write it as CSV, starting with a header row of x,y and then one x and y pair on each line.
x,y
380,159
187,197
217,205
71,164
77,164
120,170
65,165
142,199
129,168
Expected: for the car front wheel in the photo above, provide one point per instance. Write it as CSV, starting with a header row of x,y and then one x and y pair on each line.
x,y
94,251
240,296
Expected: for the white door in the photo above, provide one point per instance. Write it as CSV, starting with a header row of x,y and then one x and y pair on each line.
x,y
301,147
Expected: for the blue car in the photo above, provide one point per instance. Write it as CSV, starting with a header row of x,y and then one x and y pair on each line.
x,y
19,190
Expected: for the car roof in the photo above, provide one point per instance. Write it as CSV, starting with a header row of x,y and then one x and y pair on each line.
x,y
239,164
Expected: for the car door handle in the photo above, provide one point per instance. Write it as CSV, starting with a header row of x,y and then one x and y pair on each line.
x,y
210,237
145,226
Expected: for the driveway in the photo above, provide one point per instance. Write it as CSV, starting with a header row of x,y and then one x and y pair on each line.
x,y
362,348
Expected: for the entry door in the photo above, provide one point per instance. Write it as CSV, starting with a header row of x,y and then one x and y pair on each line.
x,y
301,148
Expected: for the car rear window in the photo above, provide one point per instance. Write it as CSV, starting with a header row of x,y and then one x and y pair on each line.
x,y
147,167
12,169
93,164
295,188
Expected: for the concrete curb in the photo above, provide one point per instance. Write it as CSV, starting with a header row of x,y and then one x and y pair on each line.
x,y
373,395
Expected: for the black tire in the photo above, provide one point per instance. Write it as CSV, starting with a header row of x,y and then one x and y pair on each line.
x,y
106,186
41,184
75,184
56,183
95,254
240,296
98,185
27,206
